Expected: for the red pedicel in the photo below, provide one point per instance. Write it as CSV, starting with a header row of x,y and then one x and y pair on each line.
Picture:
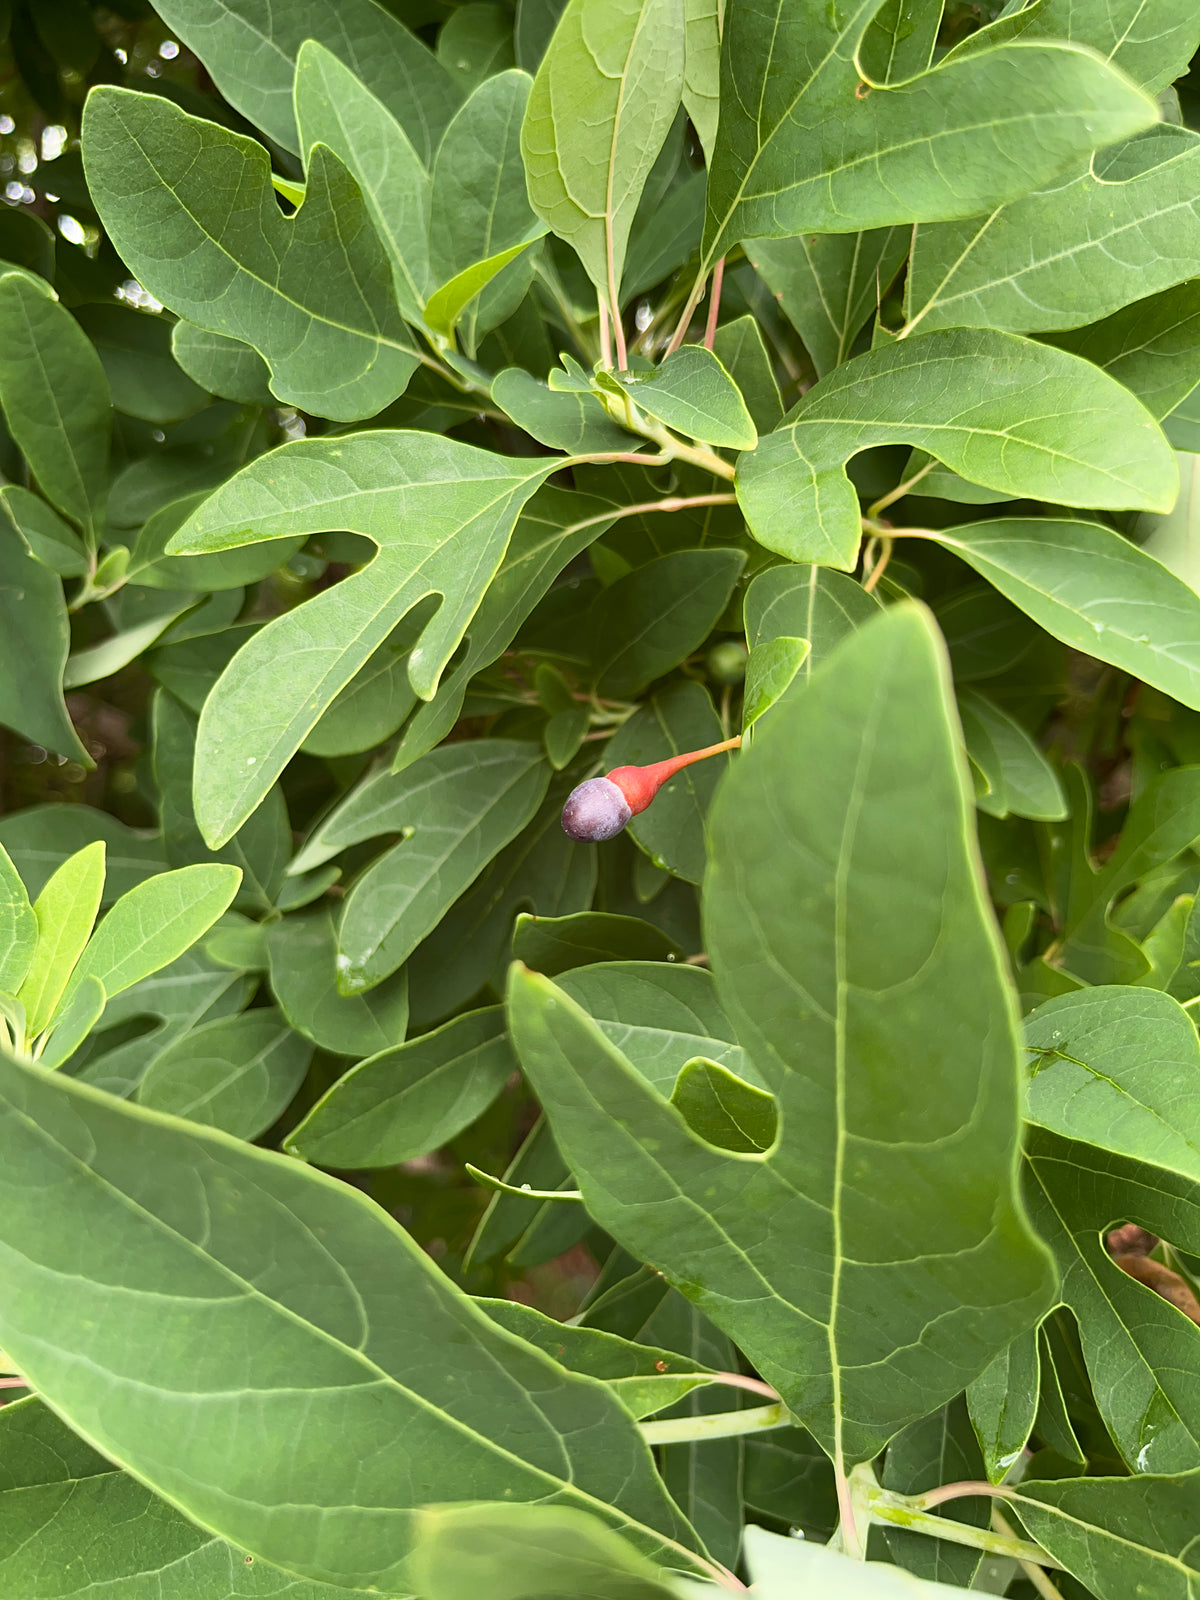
x,y
599,808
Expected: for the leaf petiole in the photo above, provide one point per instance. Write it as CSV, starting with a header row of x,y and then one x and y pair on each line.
x,y
719,1425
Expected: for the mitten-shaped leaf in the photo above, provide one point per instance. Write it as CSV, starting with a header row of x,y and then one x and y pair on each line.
x,y
876,1257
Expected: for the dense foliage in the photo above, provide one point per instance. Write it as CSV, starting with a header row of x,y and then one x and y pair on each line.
x,y
411,414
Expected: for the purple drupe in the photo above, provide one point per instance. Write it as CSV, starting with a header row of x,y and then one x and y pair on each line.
x,y
595,811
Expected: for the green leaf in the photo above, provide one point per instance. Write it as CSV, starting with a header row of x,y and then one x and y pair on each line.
x,y
481,218
345,1413
661,1017
511,1552
678,718
135,352
190,207
1045,425
73,1525
899,40
551,945
441,513
18,927
739,347
1152,45
1020,780
55,398
1095,591
799,152
655,616
1118,1535
624,61
806,602
74,1022
336,109
1124,226
55,544
260,850
153,924
34,640
723,1109
448,304
842,792
1152,347
830,285
251,48
223,366
238,1073
692,392
65,911
1140,1350
702,68
552,528
1173,538
303,956
1002,1403
770,673
1114,1067
572,422
455,813
475,42
40,838
410,1100
938,1449
542,871
644,1377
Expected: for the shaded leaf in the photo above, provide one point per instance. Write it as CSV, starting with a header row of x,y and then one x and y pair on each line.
x,y
35,637
739,347
652,618
805,602
1002,1403
1140,1350
772,668
251,47
143,376
18,927
55,397
723,1109
40,838
556,944
409,1100
1117,1068
1151,346
225,366
1020,780
829,285
238,1073
55,544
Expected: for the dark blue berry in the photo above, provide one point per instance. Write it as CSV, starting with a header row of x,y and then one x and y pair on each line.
x,y
595,811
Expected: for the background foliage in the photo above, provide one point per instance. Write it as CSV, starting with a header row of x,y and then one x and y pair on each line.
x,y
411,410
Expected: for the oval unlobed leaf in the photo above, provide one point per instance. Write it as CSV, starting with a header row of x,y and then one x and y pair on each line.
x,y
407,1101
321,1406
624,61
1003,411
1094,590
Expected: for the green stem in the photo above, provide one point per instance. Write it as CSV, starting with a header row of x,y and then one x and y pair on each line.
x,y
897,1511
720,1425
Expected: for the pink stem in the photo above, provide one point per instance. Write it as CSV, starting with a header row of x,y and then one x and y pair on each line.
x,y
959,1491
736,1380
714,304
14,1383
